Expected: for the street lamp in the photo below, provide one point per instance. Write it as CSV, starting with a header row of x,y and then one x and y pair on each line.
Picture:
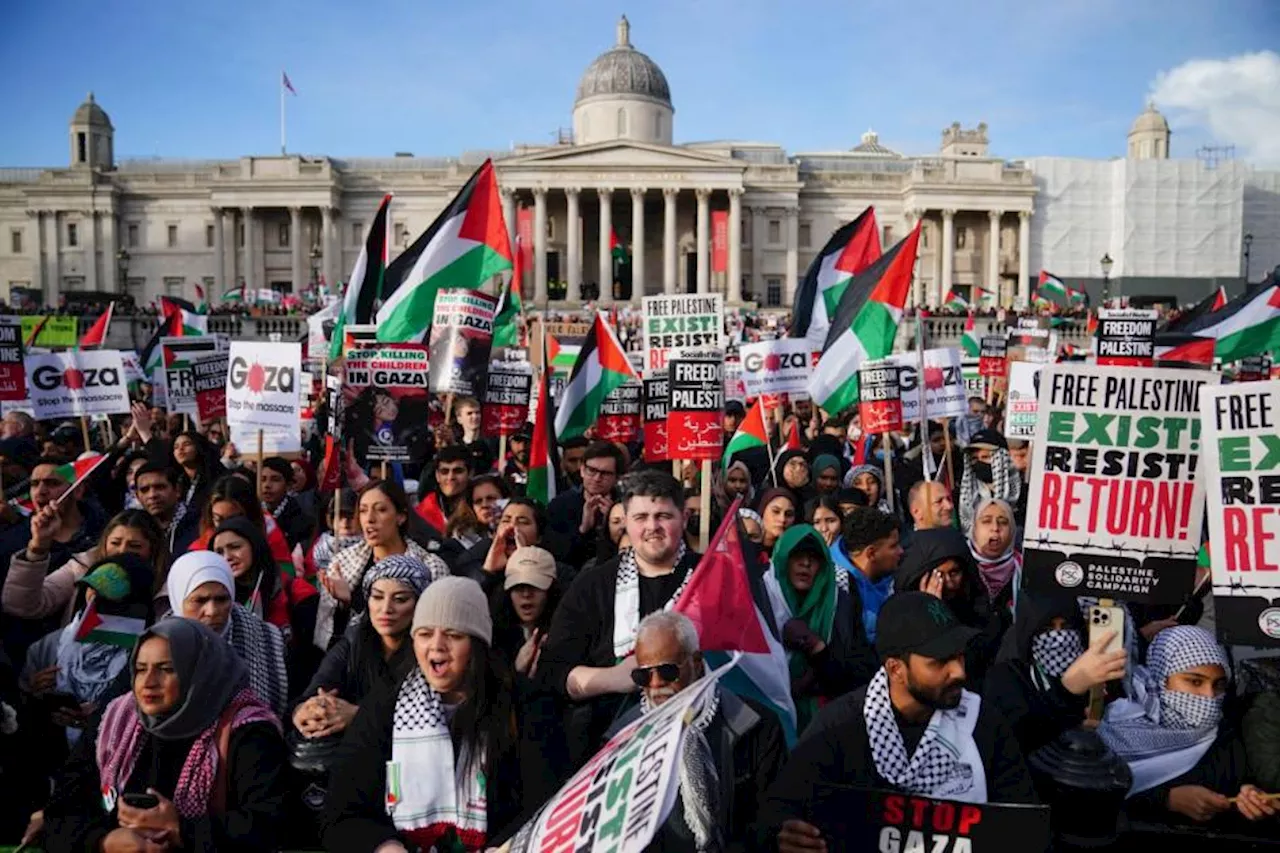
x,y
1106,263
1248,242
122,264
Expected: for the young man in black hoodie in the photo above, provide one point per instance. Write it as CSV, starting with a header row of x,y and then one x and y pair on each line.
x,y
870,738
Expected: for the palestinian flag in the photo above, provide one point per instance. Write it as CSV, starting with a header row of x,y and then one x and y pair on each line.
x,y
955,302
96,336
544,456
107,629
1215,301
202,304
969,341
1051,286
77,471
852,248
506,326
365,286
601,367
1247,325
1183,348
235,294
181,319
864,325
616,250
465,247
751,433
1077,297
36,330
793,436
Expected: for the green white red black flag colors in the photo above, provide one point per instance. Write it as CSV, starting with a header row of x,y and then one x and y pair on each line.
x,y
601,366
367,281
544,456
852,248
1247,325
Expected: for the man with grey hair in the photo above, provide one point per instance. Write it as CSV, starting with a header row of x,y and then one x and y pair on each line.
x,y
732,749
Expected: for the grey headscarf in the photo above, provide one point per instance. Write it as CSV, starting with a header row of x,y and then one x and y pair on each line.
x,y
209,674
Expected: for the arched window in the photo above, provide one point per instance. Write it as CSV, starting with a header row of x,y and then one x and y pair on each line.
x,y
622,121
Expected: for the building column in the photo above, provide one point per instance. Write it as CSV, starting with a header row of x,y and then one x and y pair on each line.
x,y
793,254
55,260
35,249
606,258
298,274
703,195
91,250
573,246
669,195
758,290
637,243
219,258
915,296
250,266
993,253
230,253
326,247
1024,260
110,248
540,245
734,290
948,249
509,212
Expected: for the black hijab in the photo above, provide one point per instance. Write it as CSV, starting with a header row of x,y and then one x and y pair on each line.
x,y
209,673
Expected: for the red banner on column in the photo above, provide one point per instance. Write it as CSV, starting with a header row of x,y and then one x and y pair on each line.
x,y
719,240
524,229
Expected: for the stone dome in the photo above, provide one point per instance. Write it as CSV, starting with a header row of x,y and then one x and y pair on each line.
x,y
91,114
1150,121
622,72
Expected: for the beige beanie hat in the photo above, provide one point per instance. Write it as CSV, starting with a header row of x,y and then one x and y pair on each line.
x,y
457,604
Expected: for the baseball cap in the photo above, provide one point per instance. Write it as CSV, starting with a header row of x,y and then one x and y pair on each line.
x,y
530,565
921,624
989,439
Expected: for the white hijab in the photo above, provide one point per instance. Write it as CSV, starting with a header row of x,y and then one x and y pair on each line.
x,y
193,569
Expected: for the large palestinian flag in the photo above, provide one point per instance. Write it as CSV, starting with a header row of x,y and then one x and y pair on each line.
x,y
544,457
601,367
96,336
1247,325
1215,301
1051,286
506,326
181,319
367,282
854,247
465,247
864,325
1182,348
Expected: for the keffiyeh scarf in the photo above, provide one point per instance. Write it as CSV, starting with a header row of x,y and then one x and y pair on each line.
x,y
1163,733
432,795
946,763
626,600
699,776
997,573
1006,484
1055,650
350,564
261,647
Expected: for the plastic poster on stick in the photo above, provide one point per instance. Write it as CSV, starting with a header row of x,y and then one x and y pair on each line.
x,y
880,397
262,386
681,320
695,417
76,383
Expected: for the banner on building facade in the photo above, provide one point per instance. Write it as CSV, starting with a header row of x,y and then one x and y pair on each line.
x,y
461,338
719,241
680,320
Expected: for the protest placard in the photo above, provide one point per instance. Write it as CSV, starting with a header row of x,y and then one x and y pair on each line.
x,y
54,331
72,384
680,320
1126,337
943,385
1241,433
975,384
619,418
461,338
993,355
506,397
1023,400
880,397
210,373
1254,368
779,366
386,415
180,388
262,386
734,386
696,409
656,398
1115,506
13,374
1032,339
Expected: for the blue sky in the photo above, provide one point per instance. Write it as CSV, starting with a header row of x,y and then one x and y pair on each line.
x,y
1050,77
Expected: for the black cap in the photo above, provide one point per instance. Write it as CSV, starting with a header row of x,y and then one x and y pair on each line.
x,y
921,624
988,438
525,433
735,407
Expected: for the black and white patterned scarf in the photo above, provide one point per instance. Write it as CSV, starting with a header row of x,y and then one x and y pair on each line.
x,y
698,775
1054,651
626,601
262,647
1006,484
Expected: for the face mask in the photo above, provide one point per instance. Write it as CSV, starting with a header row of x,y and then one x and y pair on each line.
x,y
1054,651
982,470
854,433
1180,710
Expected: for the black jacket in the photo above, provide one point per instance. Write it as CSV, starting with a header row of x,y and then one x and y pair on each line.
x,y
355,665
563,538
836,749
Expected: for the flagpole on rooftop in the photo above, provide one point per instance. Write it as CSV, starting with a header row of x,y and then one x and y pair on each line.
x,y
282,145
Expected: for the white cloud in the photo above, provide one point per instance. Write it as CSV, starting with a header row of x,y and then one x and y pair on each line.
x,y
1236,101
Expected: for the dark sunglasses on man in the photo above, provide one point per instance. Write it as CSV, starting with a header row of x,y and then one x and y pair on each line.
x,y
668,672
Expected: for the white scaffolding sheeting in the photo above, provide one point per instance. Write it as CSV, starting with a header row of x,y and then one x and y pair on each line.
x,y
1262,220
1155,218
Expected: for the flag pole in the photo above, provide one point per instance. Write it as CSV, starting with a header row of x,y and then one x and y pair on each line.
x,y
282,145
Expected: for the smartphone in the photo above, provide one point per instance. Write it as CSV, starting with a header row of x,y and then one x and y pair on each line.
x,y
58,701
140,801
1103,619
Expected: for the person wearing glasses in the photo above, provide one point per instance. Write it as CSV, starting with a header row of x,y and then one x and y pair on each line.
x,y
453,475
578,515
745,741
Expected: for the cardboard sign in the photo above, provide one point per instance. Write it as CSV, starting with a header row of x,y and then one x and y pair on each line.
x,y
1115,505
1255,368
680,320
461,338
210,376
943,388
695,416
387,418
262,386
619,418
1126,337
72,384
1023,401
180,388
57,332
734,386
506,398
13,373
1241,434
880,397
656,396
779,366
1032,340
993,357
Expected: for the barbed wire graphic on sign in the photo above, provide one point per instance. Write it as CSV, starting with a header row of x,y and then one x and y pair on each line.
x,y
1089,546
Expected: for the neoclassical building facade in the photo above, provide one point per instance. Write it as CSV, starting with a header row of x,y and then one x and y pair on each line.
x,y
155,227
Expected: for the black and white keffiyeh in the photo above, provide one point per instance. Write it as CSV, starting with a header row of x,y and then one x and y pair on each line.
x,y
1054,651
626,601
698,775
261,646
397,567
1006,484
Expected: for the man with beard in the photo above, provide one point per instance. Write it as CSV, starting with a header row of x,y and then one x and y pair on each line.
x,y
913,729
587,659
516,471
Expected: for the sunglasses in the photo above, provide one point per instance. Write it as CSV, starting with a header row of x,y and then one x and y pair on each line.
x,y
666,671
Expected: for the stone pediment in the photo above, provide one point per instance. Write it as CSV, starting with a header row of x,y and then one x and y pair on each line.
x,y
619,154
